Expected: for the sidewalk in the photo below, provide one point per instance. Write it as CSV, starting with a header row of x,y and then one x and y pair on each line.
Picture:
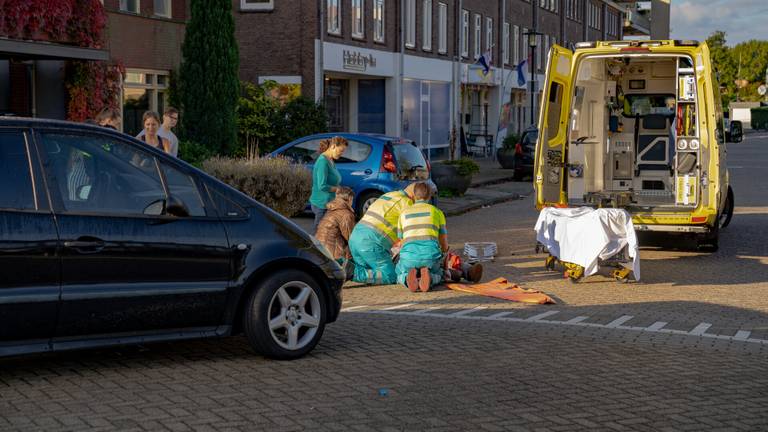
x,y
492,185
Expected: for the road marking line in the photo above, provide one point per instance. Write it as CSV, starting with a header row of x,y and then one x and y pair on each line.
x,y
742,335
577,320
542,315
619,321
655,327
499,315
468,311
700,329
404,305
351,308
426,310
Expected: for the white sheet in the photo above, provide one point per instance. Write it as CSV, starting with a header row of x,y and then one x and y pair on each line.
x,y
584,235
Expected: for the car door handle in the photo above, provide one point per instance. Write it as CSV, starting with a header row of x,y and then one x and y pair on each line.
x,y
85,244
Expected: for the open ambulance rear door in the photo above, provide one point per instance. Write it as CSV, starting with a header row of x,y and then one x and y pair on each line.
x,y
550,171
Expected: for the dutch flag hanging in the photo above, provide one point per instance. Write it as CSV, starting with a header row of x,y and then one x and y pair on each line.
x,y
521,72
485,62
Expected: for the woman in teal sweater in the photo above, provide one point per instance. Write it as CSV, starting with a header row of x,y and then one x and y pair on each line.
x,y
326,179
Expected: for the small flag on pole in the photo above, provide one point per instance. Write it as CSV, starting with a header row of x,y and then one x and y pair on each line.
x,y
521,72
485,62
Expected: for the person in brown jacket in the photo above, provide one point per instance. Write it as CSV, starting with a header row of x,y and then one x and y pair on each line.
x,y
336,225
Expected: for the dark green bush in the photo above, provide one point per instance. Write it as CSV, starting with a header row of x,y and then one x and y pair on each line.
x,y
465,166
193,153
275,182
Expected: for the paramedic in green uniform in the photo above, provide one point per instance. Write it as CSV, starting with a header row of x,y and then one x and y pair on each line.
x,y
372,238
421,228
326,179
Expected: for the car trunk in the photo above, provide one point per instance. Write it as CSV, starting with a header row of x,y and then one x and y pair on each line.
x,y
632,138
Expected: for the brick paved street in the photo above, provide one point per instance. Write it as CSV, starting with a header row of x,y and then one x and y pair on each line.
x,y
682,350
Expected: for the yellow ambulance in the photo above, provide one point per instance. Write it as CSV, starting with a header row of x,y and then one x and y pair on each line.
x,y
636,125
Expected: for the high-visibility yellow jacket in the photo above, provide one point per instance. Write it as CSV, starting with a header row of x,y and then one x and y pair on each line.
x,y
421,221
384,213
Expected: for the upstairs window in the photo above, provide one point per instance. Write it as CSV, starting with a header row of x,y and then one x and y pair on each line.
x,y
257,5
358,27
426,25
464,33
378,20
478,35
505,44
442,16
410,23
334,17
163,8
131,6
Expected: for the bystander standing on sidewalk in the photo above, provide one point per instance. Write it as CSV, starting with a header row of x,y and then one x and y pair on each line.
x,y
170,119
150,133
325,177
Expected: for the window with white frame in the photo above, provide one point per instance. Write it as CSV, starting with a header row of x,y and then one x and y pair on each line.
x,y
442,32
426,36
516,44
253,5
525,50
358,16
410,23
130,6
334,16
543,4
163,8
478,35
464,33
378,20
505,44
488,33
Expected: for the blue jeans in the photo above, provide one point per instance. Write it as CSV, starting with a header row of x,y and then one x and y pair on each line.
x,y
319,213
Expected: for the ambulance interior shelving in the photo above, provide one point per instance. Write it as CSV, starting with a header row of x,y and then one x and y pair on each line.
x,y
632,132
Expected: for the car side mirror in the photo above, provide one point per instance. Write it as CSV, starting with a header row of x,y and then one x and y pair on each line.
x,y
176,207
737,131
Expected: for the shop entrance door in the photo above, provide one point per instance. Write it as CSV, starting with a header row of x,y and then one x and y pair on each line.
x,y
336,91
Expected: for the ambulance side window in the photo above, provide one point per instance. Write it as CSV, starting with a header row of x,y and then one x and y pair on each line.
x,y
553,113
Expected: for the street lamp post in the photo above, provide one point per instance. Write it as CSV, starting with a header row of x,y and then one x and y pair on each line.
x,y
532,36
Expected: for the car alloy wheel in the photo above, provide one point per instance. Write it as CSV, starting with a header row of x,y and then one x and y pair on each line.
x,y
294,315
285,315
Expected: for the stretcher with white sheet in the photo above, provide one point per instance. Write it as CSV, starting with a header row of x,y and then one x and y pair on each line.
x,y
584,239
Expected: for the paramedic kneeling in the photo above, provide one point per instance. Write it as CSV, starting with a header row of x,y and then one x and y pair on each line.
x,y
425,239
372,238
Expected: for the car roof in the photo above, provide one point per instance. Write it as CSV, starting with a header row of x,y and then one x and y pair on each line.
x,y
363,135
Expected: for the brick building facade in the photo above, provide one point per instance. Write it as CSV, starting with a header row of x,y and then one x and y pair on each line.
x,y
409,67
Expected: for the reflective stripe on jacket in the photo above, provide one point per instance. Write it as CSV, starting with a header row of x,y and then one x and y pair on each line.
x,y
384,213
421,221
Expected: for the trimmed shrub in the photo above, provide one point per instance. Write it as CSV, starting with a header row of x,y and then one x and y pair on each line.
x,y
275,182
465,166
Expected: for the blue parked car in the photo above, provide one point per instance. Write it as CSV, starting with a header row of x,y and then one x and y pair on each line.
x,y
372,165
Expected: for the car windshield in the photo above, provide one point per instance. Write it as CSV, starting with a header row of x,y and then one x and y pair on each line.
x,y
410,161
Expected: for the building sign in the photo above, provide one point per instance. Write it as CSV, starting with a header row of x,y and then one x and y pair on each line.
x,y
356,61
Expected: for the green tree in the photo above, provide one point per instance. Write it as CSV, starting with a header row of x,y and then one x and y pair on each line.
x,y
256,111
299,117
208,80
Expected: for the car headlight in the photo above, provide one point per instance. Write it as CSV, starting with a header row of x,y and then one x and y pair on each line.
x,y
694,144
682,144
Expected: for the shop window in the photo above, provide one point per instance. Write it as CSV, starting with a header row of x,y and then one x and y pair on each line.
x,y
142,91
378,20
163,8
257,5
131,6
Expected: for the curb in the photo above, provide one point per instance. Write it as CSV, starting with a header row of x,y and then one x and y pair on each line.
x,y
474,206
492,182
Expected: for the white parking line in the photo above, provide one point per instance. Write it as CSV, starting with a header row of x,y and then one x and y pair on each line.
x,y
351,308
619,321
542,315
700,329
576,320
499,315
742,335
427,310
404,305
468,311
655,327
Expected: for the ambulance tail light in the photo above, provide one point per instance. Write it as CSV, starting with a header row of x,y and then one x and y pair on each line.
x,y
388,162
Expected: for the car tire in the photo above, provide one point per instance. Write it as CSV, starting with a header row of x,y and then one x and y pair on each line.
x,y
725,217
285,315
364,201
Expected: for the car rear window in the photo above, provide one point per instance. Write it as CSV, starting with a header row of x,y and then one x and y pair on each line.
x,y
409,157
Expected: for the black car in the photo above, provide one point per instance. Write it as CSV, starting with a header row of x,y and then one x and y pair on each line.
x,y
525,153
106,241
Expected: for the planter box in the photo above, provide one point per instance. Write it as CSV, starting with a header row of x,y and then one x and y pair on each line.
x,y
447,178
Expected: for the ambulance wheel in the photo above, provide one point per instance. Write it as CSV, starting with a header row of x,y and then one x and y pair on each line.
x,y
364,201
725,216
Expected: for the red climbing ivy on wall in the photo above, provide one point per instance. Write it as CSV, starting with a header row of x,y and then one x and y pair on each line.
x,y
92,86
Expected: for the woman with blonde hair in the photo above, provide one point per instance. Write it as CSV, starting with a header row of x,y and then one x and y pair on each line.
x,y
151,122
326,179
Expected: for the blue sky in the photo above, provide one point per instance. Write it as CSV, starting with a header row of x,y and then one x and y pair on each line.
x,y
740,19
